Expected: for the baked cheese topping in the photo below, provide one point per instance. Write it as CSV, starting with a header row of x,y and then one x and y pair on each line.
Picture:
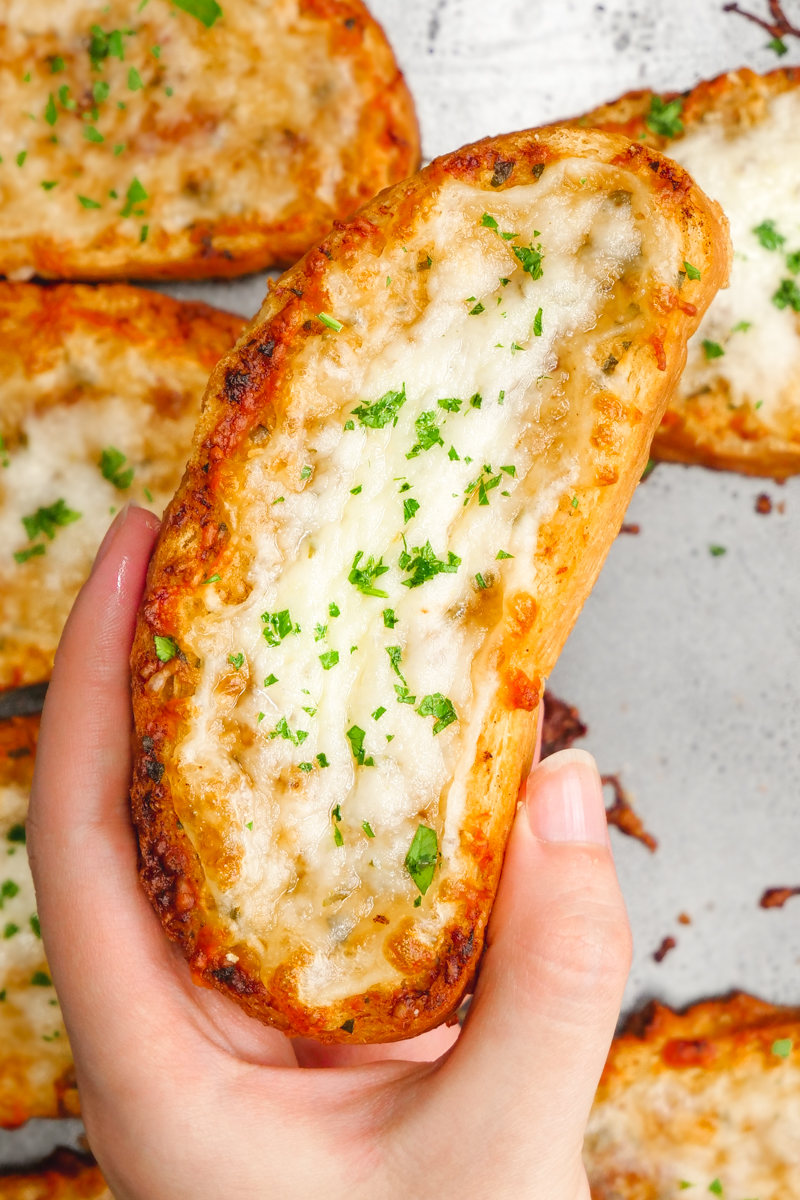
x,y
735,1129
396,503
750,336
131,121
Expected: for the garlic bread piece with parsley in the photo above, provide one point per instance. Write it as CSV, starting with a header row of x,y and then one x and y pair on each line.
x,y
37,1076
177,139
737,406
404,481
707,1100
100,390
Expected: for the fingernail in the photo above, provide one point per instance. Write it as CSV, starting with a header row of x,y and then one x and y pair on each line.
x,y
111,533
564,798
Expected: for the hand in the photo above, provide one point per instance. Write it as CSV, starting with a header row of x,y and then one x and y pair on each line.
x,y
185,1098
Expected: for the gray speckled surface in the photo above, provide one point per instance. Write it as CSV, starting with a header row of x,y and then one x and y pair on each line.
x,y
685,666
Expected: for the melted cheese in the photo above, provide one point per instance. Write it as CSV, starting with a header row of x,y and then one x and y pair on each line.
x,y
254,121
261,810
754,172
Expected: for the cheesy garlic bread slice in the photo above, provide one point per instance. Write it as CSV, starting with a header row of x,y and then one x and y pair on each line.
x,y
37,1077
403,483
181,138
738,404
707,1101
100,390
63,1176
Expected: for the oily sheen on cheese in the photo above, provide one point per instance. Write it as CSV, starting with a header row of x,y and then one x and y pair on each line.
x,y
85,371
190,139
329,642
738,403
706,1102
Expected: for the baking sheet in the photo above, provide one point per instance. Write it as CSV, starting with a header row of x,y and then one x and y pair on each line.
x,y
685,665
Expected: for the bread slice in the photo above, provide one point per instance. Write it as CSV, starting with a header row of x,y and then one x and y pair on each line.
x,y
402,487
168,145
37,1078
87,375
738,404
63,1176
708,1100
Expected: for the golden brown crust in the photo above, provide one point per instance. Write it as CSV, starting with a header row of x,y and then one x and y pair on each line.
x,y
287,184
196,540
70,350
63,1176
705,429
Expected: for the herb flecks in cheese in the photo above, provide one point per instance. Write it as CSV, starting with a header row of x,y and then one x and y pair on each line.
x,y
377,406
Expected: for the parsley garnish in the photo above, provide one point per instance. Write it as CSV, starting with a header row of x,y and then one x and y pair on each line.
x,y
477,310
330,322
92,135
166,648
504,554
364,578
41,979
665,118
268,682
35,926
277,626
329,659
206,11
8,891
453,455
135,195
57,65
105,45
717,551
17,834
48,520
10,930
742,327
356,738
410,507
712,350
356,491
282,730
305,473
425,565
481,582
574,502
787,295
320,632
422,856
476,401
51,112
333,610
49,184
450,405
716,1187
530,259
111,463
236,661
537,324
440,707
768,235
778,45
376,716
488,222
349,425
692,272
428,434
382,411
782,1048
23,154
305,766
368,830
403,694
395,654
22,556
793,262
87,203
389,619
322,760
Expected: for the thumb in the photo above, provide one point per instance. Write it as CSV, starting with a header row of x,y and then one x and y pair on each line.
x,y
551,983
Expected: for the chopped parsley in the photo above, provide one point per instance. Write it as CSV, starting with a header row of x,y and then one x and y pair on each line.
x,y
305,473
206,11
312,712
51,112
742,327
23,154
111,463
356,491
364,577
664,118
768,235
395,654
403,695
277,626
268,682
319,632
787,295
87,203
717,551
574,502
531,260
330,322
376,716
17,834
322,760
428,434
389,619
537,324
8,891
10,930
368,830
144,232
440,707
349,425
333,610
282,730
504,554
105,45
305,766
782,1048
93,135
100,90
793,262
453,454
712,349
337,835
716,1187
422,856
450,405
778,45
57,64
236,661
381,412
410,507
477,310
41,979
49,184
135,194
63,95
476,401
22,556
329,659
48,520
423,565
155,51
166,648
692,272
35,926
481,582
488,222
356,738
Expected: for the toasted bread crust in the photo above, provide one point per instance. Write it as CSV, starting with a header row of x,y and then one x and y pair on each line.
x,y
706,1079
317,120
705,428
195,541
64,1175
61,351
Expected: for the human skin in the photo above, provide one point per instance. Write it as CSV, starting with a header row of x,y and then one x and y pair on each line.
x,y
186,1098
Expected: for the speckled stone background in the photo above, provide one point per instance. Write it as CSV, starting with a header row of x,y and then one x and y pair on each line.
x,y
685,666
